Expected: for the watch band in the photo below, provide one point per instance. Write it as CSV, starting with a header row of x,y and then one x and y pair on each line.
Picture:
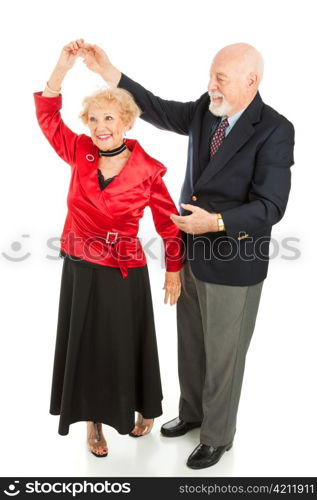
x,y
221,226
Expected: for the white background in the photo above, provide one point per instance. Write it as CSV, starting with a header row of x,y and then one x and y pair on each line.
x,y
167,46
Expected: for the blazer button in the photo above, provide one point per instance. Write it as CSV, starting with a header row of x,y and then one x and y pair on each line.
x,y
194,198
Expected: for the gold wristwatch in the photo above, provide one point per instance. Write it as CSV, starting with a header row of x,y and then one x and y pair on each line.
x,y
221,226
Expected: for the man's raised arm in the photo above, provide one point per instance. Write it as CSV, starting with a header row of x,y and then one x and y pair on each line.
x,y
165,114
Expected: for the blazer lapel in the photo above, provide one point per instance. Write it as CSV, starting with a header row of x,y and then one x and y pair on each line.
x,y
194,144
238,136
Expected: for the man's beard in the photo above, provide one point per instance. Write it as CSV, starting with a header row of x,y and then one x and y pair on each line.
x,y
219,109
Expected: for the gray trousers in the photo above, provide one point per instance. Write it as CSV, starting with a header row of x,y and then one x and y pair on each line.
x,y
215,325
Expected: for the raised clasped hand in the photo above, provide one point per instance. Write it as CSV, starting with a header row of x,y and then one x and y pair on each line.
x,y
94,57
70,53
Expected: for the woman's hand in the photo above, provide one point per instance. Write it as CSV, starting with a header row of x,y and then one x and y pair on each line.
x,y
69,54
65,62
172,287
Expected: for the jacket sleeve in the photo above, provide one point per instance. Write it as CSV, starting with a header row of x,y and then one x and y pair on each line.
x,y
167,115
270,187
162,206
63,140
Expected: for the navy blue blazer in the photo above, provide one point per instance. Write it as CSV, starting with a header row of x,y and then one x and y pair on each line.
x,y
248,181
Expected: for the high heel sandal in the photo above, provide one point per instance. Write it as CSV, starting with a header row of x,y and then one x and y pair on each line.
x,y
94,440
139,424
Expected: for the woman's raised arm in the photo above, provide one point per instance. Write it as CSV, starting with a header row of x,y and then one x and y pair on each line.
x,y
48,105
66,61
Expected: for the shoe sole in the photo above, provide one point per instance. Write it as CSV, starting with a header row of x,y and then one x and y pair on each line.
x,y
99,456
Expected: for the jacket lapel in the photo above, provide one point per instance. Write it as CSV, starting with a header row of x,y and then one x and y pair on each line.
x,y
138,167
194,144
238,136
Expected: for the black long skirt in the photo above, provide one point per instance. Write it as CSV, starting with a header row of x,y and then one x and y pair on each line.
x,y
106,363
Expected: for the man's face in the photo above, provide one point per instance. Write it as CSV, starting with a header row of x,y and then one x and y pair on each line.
x,y
227,87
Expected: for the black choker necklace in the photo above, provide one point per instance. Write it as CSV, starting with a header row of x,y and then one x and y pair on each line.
x,y
113,152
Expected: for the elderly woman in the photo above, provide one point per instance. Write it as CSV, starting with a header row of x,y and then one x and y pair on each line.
x,y
106,364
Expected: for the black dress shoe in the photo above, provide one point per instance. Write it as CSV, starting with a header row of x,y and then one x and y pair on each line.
x,y
177,427
205,456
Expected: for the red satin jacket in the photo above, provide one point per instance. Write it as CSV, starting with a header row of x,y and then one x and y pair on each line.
x,y
101,226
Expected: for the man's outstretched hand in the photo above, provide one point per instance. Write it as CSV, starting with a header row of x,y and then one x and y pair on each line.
x,y
94,57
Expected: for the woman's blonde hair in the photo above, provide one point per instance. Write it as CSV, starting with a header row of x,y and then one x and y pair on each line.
x,y
128,109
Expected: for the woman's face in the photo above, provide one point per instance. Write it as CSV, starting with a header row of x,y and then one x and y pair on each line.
x,y
106,126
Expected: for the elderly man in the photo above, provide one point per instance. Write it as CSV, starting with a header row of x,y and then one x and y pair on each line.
x,y
236,187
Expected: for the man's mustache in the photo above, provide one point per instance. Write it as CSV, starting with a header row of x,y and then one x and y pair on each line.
x,y
215,94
